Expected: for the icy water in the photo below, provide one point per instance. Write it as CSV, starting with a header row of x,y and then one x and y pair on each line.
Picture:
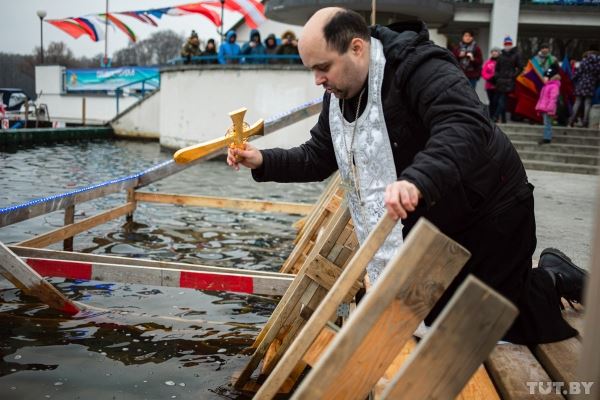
x,y
135,341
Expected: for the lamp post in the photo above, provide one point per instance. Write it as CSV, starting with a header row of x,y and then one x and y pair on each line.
x,y
222,15
42,15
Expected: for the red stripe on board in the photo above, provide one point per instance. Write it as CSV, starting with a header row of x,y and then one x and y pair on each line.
x,y
61,269
216,282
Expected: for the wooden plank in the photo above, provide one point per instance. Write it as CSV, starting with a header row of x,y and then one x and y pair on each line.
x,y
320,344
589,364
224,202
319,218
386,317
511,367
560,359
326,273
29,281
81,226
69,219
460,339
59,203
287,307
29,252
208,280
480,386
341,217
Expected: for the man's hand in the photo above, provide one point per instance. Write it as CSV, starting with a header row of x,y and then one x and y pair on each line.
x,y
401,197
249,158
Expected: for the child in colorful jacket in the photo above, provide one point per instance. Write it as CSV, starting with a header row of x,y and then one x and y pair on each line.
x,y
547,103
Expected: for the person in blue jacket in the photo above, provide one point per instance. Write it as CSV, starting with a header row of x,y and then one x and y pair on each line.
x,y
254,47
228,49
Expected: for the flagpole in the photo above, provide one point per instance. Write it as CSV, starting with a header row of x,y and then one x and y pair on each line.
x,y
106,36
222,16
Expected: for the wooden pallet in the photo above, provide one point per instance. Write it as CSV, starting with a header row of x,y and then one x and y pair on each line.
x,y
314,226
386,317
317,333
318,274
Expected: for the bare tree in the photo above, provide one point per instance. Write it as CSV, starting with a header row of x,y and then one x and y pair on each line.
x,y
160,47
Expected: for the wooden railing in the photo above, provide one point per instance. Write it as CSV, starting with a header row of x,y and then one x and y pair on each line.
x,y
131,184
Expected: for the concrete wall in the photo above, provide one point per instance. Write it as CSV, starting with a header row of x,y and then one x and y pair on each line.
x,y
141,119
201,97
99,108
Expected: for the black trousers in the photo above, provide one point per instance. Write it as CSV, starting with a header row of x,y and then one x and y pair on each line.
x,y
501,249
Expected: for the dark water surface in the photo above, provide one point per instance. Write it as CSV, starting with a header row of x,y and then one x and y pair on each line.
x,y
136,341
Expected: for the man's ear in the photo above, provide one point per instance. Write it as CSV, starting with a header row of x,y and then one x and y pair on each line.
x,y
357,46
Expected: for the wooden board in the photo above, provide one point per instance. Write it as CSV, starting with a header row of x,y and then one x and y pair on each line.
x,y
68,231
386,317
560,359
511,366
26,279
29,252
318,222
214,279
224,202
460,339
589,364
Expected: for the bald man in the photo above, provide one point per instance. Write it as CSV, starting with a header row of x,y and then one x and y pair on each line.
x,y
409,135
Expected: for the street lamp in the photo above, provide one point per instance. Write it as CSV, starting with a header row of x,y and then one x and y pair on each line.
x,y
42,14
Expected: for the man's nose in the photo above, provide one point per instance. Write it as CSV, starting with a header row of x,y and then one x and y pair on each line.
x,y
320,78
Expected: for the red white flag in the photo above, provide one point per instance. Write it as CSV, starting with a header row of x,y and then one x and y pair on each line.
x,y
252,10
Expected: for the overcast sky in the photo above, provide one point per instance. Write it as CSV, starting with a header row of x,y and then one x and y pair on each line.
x,y
20,25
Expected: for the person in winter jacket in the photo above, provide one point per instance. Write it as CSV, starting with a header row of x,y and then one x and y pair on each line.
x,y
544,60
586,79
508,66
469,57
210,51
191,48
289,47
488,73
410,137
254,47
229,49
271,47
547,102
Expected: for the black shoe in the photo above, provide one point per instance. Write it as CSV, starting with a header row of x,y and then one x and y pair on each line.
x,y
545,141
568,277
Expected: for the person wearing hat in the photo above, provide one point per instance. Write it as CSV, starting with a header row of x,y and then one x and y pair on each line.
x,y
488,73
210,51
191,48
546,105
508,67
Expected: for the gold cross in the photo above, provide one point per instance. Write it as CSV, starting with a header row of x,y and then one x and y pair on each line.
x,y
236,137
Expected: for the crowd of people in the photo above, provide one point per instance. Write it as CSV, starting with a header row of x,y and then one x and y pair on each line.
x,y
272,50
538,90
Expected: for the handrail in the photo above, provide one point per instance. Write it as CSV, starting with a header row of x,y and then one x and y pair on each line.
x,y
119,89
258,57
33,208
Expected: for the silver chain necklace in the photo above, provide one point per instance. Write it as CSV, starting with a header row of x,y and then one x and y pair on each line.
x,y
350,154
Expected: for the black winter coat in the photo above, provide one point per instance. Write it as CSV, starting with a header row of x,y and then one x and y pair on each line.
x,y
508,66
442,140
